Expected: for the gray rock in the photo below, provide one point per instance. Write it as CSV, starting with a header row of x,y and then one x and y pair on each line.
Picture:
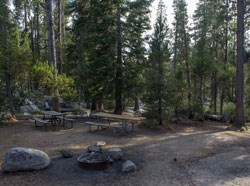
x,y
67,153
20,158
26,109
94,149
115,153
128,166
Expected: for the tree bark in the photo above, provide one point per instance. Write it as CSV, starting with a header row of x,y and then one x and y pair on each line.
x,y
215,91
239,119
38,30
51,39
52,50
60,35
222,96
137,103
119,73
188,76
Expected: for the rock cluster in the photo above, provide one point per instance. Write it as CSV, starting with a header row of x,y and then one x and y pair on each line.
x,y
116,154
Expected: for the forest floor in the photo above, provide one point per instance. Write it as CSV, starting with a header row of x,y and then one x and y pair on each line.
x,y
193,154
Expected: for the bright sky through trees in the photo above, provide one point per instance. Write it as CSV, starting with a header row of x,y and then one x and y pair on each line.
x,y
169,3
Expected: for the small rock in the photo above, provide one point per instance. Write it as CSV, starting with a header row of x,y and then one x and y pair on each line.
x,y
100,143
67,153
94,149
128,166
20,159
115,153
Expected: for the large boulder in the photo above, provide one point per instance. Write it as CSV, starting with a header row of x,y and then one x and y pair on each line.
x,y
20,158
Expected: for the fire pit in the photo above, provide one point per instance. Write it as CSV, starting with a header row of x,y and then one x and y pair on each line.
x,y
94,161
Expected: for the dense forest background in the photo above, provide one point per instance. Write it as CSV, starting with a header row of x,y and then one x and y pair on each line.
x,y
99,52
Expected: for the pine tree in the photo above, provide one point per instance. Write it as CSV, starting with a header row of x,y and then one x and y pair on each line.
x,y
181,48
202,62
134,49
159,55
5,51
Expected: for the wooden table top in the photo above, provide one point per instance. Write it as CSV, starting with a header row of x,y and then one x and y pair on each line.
x,y
53,113
116,116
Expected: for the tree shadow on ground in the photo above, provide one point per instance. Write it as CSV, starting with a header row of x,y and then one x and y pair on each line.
x,y
163,158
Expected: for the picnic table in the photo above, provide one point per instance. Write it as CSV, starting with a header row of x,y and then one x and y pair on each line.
x,y
52,117
114,121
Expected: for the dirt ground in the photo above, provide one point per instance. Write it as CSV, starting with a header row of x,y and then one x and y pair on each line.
x,y
193,154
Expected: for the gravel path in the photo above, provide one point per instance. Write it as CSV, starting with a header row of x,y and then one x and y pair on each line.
x,y
193,155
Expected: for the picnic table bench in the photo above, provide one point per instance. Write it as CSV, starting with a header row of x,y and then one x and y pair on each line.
x,y
41,121
114,125
65,119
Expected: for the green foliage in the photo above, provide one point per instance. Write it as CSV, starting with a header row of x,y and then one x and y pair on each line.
x,y
229,109
244,128
43,75
247,113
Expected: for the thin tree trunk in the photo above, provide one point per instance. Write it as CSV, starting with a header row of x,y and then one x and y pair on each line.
x,y
38,30
222,96
52,51
160,119
119,73
25,17
51,39
175,46
215,91
188,77
137,103
200,94
60,35
195,92
239,119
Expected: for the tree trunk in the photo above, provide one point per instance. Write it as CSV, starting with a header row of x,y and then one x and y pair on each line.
x,y
160,119
60,35
201,95
137,103
25,17
175,45
38,30
51,48
119,73
188,77
51,39
239,119
222,96
215,91
9,92
93,105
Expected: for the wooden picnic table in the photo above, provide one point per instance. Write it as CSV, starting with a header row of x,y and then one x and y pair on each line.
x,y
124,119
54,116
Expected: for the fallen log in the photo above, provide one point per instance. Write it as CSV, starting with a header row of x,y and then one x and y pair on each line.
x,y
213,117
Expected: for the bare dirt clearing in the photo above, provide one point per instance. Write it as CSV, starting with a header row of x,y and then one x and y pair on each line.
x,y
193,154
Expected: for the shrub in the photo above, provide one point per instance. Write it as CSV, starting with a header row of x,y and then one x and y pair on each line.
x,y
229,109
